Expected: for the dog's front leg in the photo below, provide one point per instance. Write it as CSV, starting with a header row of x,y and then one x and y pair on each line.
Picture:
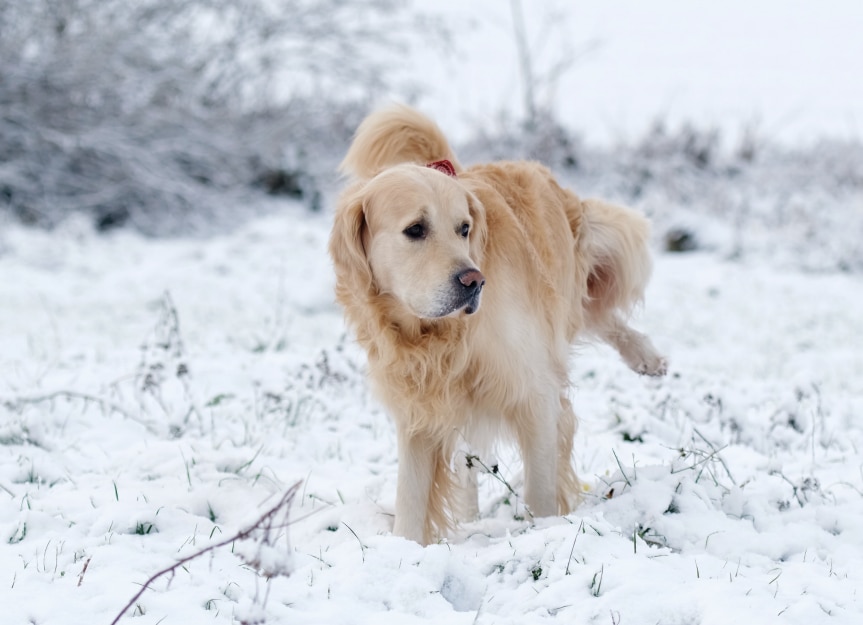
x,y
537,437
416,474
466,470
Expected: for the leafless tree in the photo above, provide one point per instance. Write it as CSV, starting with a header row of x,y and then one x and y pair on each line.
x,y
541,73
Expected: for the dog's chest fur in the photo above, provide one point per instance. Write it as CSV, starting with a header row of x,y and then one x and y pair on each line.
x,y
442,376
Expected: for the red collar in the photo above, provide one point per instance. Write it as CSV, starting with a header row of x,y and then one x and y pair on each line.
x,y
443,166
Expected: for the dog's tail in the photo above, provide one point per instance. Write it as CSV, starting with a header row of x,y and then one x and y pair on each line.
x,y
395,135
615,240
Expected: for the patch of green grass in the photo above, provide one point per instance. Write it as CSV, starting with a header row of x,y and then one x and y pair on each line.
x,y
18,535
218,399
629,438
536,571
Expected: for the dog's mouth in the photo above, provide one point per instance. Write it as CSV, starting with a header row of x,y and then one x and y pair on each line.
x,y
471,304
462,294
459,302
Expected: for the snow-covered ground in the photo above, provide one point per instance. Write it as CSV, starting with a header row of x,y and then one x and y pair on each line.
x,y
157,396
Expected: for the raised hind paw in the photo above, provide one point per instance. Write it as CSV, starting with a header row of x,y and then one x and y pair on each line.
x,y
653,365
641,356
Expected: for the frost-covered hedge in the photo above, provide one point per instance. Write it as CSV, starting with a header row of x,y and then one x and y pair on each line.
x,y
163,114
175,117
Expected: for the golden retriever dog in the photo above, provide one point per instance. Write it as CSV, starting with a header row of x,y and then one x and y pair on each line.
x,y
467,287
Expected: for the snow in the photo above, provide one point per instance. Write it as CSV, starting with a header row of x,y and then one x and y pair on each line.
x,y
727,491
158,396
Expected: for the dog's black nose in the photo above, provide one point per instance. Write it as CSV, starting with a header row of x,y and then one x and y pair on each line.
x,y
471,279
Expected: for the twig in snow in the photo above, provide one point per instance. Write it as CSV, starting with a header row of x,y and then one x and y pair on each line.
x,y
716,453
264,522
84,570
15,403
495,472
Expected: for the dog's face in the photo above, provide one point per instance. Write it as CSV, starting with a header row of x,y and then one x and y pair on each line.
x,y
420,235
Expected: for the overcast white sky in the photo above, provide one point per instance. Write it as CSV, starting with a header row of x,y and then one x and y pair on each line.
x,y
793,68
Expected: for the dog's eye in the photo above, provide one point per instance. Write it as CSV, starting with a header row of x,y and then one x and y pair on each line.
x,y
465,230
415,232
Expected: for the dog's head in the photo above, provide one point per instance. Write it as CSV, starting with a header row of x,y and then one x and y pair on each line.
x,y
413,233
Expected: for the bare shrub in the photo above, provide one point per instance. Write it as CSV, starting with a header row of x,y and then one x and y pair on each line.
x,y
151,112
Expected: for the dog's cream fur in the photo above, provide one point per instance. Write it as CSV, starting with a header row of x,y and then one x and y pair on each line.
x,y
457,363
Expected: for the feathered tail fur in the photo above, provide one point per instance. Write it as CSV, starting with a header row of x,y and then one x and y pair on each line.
x,y
392,136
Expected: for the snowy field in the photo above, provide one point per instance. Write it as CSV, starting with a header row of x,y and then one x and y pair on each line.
x,y
159,396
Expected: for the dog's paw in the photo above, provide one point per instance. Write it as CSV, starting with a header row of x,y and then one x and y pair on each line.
x,y
643,358
637,350
656,366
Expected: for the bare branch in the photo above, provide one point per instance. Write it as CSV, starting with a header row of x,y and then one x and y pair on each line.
x,y
15,403
265,521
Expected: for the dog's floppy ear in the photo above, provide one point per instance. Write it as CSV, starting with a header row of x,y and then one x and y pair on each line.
x,y
347,244
479,230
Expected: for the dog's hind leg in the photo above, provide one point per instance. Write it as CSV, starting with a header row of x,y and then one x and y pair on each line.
x,y
614,241
568,484
635,348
